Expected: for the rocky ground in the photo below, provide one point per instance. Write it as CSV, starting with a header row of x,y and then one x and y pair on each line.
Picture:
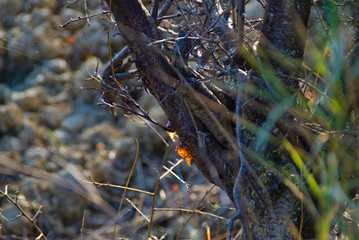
x,y
55,140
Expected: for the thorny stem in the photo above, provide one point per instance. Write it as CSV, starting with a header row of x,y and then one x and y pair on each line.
x,y
142,115
31,219
128,97
87,17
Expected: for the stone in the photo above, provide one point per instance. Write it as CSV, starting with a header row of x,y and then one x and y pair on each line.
x,y
46,4
36,156
8,11
31,99
57,66
74,123
5,93
11,118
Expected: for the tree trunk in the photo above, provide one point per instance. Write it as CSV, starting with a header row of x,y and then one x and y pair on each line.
x,y
203,115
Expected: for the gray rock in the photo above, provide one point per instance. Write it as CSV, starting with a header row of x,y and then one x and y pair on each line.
x,y
54,74
8,11
11,118
23,45
52,115
62,135
11,144
48,4
74,123
36,156
40,15
5,94
57,66
31,99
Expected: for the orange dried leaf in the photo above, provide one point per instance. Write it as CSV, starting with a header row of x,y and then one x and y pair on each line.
x,y
100,146
172,135
188,161
70,40
311,96
184,152
176,187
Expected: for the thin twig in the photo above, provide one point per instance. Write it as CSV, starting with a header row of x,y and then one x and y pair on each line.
x,y
157,187
137,209
23,213
70,3
86,14
163,11
169,170
191,211
305,82
194,211
118,186
82,18
83,224
145,116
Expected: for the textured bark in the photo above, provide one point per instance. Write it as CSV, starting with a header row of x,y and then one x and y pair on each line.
x,y
165,78
281,48
284,33
201,117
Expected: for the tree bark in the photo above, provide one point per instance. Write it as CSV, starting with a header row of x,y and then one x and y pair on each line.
x,y
204,121
283,38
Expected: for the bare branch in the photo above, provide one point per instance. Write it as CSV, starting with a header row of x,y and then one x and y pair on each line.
x,y
83,18
23,213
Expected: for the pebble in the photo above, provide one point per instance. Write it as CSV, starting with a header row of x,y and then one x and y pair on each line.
x,y
46,4
29,133
102,132
31,99
8,11
23,45
54,74
11,118
36,156
62,136
57,66
41,16
12,145
52,115
5,93
74,123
